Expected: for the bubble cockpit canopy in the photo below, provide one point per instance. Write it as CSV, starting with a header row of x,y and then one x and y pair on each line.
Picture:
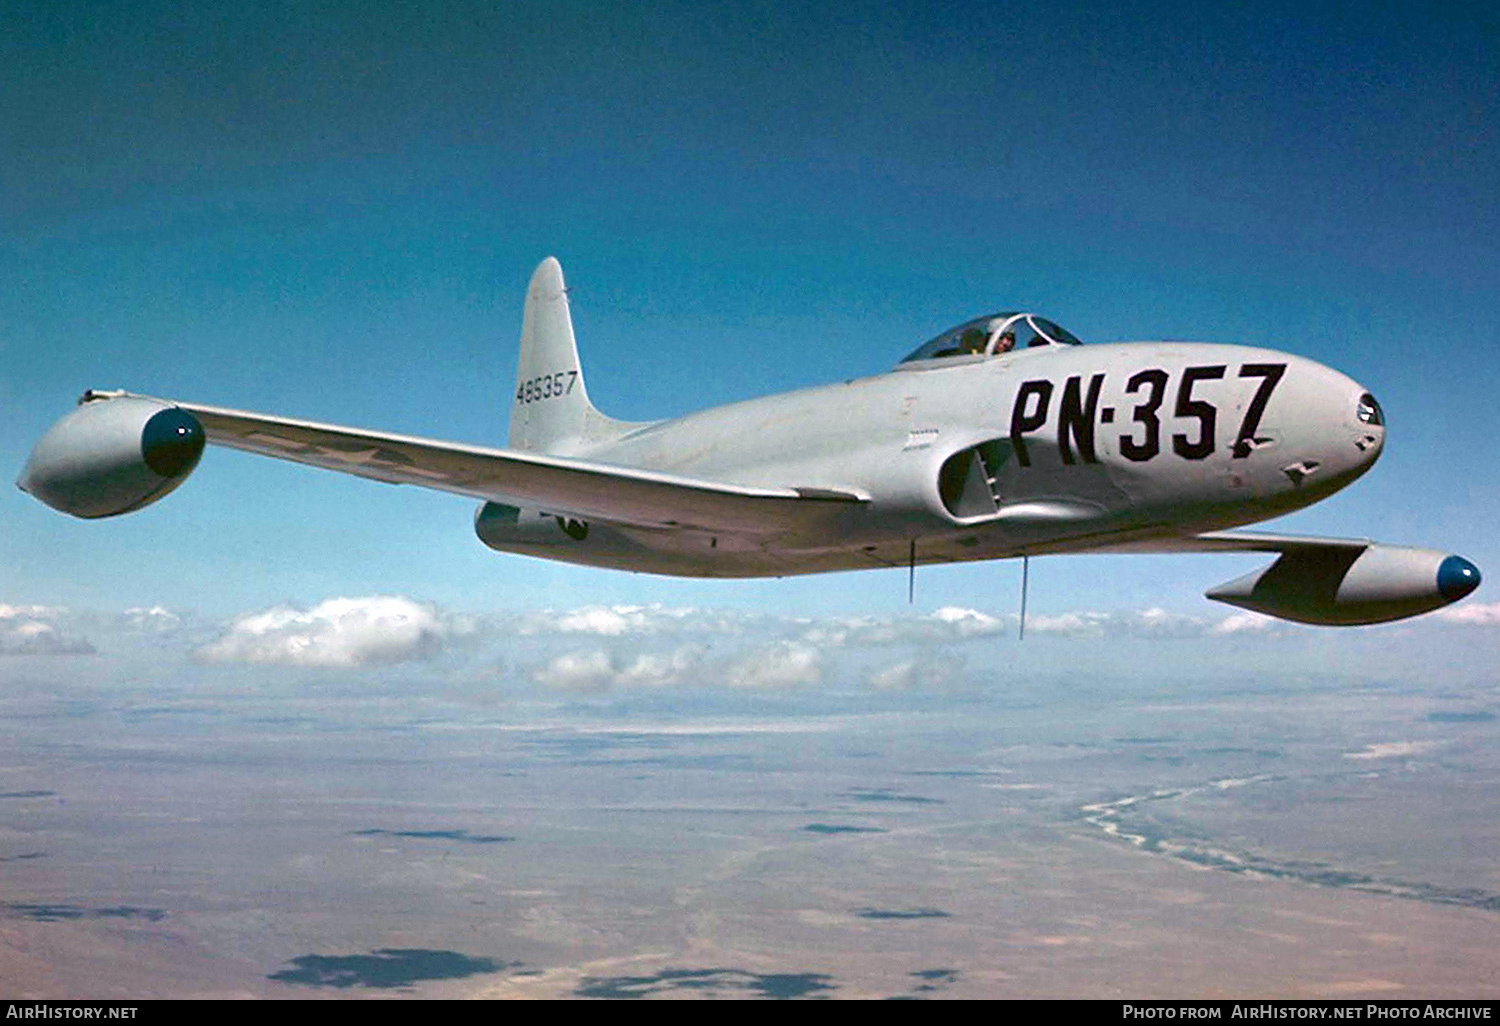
x,y
994,335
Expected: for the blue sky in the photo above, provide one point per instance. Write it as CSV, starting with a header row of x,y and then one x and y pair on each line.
x,y
331,211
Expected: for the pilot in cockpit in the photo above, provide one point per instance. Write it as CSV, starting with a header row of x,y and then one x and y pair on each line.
x,y
1006,343
972,341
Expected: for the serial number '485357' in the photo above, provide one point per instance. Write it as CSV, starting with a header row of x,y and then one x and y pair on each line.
x,y
546,386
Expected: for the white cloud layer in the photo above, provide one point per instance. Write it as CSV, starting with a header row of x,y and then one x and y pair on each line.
x,y
339,632
625,646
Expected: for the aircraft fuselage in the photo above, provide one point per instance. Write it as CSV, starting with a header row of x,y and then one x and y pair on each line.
x,y
1052,449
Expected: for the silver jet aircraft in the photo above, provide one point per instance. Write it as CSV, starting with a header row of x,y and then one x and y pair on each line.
x,y
1002,437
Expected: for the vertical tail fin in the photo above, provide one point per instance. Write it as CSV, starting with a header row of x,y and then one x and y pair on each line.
x,y
551,412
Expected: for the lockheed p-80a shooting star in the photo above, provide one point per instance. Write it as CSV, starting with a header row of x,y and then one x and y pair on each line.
x,y
1002,437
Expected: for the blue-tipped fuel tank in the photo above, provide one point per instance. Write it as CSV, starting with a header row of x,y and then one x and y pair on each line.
x,y
113,454
1335,587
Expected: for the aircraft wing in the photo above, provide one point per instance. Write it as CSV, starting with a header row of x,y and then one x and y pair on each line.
x,y
555,484
1155,541
1255,541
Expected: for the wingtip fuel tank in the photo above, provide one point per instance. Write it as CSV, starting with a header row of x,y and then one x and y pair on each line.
x,y
113,454
1349,587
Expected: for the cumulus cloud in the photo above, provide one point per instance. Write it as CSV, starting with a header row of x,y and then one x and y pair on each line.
x,y
8,612
968,623
1069,623
925,673
658,670
953,624
631,620
1151,623
31,630
1471,614
780,664
339,632
612,621
578,671
1393,749
597,671
1160,622
786,664
1246,623
155,620
950,623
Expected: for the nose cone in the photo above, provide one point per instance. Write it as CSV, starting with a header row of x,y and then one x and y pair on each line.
x,y
1456,577
1367,423
1369,426
1343,425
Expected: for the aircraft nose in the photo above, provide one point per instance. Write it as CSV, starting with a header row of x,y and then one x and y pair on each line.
x,y
1368,425
1456,577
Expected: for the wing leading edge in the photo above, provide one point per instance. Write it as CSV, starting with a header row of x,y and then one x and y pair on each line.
x,y
1245,541
601,491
